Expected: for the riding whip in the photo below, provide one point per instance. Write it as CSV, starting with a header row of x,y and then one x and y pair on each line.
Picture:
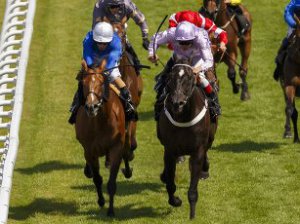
x,y
154,51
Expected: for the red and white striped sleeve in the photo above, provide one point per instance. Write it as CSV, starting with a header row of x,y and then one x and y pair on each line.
x,y
172,20
211,27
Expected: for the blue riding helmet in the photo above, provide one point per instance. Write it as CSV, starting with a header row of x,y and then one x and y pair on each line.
x,y
292,8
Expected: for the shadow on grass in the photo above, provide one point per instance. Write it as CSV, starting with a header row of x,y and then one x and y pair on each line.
x,y
247,146
130,211
125,188
54,207
43,206
48,167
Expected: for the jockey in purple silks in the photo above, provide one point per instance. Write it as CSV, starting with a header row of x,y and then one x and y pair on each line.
x,y
293,8
191,43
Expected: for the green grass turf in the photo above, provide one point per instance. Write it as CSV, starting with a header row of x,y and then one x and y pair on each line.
x,y
254,175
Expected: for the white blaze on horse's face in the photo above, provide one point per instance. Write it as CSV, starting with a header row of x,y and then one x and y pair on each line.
x,y
181,72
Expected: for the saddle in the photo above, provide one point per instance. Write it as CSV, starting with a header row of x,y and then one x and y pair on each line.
x,y
242,21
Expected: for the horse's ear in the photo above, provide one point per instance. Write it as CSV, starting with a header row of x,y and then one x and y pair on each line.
x,y
124,20
102,65
297,19
84,65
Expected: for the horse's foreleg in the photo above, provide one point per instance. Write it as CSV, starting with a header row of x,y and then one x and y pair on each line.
x,y
287,127
94,166
115,161
196,164
205,168
291,109
295,119
231,73
127,171
245,47
169,175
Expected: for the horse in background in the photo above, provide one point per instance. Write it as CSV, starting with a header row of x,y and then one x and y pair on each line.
x,y
217,11
185,128
290,83
100,129
134,82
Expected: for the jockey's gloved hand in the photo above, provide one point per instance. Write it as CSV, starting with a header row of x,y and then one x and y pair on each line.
x,y
146,43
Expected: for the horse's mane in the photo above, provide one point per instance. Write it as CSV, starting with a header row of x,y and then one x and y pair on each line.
x,y
80,74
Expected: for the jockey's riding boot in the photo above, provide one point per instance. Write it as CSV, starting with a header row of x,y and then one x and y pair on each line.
x,y
136,61
280,58
243,23
159,104
77,101
130,112
213,102
161,78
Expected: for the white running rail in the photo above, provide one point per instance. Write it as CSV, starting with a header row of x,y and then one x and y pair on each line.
x,y
14,48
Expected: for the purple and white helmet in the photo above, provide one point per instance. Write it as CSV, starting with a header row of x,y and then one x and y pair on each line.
x,y
185,31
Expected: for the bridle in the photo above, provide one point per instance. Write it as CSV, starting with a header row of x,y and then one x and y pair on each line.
x,y
193,87
99,98
215,13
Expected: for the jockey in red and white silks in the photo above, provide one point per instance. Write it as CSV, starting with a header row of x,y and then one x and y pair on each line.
x,y
200,21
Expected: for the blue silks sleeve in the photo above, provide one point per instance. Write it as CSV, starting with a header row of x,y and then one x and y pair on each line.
x,y
88,49
289,14
115,52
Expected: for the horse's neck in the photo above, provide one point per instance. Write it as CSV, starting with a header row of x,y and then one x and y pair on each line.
x,y
222,17
294,51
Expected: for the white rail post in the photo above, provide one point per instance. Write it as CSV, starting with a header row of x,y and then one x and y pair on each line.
x,y
14,50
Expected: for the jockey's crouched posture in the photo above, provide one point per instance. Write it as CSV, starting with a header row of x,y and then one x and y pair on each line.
x,y
103,43
119,11
293,8
191,43
200,21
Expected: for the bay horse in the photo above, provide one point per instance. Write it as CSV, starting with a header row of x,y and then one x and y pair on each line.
x,y
134,82
217,11
100,129
185,128
290,83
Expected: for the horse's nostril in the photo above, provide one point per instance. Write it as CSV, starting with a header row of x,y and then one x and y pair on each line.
x,y
181,103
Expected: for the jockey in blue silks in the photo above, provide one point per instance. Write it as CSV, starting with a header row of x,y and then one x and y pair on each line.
x,y
103,43
293,8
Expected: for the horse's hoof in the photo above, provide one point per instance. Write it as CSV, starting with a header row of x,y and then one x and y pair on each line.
x,y
87,171
133,145
204,175
180,159
175,201
163,178
297,140
110,213
107,164
101,202
192,216
287,134
245,96
127,172
236,89
130,156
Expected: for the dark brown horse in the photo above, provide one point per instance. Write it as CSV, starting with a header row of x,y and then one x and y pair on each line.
x,y
290,82
185,129
100,129
217,11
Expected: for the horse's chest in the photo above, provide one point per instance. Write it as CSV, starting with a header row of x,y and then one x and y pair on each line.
x,y
181,138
